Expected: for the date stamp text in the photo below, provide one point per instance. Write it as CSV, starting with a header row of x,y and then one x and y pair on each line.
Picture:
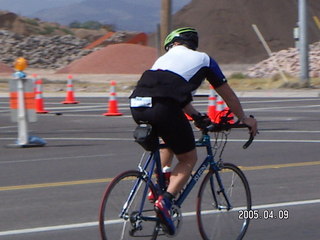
x,y
267,214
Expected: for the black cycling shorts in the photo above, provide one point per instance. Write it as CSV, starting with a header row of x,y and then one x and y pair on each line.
x,y
169,122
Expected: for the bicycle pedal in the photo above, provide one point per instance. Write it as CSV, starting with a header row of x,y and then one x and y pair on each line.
x,y
177,220
176,217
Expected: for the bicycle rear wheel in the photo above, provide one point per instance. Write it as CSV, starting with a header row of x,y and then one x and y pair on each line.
x,y
125,211
215,219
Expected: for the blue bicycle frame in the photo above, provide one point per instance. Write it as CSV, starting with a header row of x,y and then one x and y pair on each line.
x,y
154,159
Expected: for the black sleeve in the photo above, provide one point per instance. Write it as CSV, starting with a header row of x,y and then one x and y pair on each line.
x,y
215,75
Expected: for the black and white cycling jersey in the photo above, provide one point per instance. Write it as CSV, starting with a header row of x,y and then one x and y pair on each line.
x,y
177,74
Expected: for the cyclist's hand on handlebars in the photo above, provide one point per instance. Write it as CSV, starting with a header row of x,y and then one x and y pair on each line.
x,y
252,123
201,120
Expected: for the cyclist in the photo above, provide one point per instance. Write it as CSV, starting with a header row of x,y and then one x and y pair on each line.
x,y
163,95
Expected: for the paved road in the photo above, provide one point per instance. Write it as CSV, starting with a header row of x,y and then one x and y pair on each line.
x,y
54,192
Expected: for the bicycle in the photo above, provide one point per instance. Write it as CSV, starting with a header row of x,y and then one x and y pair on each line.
x,y
127,213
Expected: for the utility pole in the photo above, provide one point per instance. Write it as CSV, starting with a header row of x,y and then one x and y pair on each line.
x,y
165,22
303,43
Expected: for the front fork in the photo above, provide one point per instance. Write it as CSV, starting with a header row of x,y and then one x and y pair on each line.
x,y
216,168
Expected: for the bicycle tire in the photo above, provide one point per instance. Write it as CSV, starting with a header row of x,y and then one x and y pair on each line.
x,y
130,226
214,220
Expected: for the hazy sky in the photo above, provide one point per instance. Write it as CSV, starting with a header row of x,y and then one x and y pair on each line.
x,y
62,11
27,7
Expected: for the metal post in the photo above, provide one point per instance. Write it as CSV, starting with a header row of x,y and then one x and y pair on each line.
x,y
296,36
165,25
303,43
22,118
158,41
22,106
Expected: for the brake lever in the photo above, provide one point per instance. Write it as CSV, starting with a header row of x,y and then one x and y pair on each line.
x,y
248,143
213,127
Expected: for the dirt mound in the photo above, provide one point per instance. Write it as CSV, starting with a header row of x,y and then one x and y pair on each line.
x,y
5,68
122,58
225,27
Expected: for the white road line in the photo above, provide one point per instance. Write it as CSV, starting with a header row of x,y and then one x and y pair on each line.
x,y
284,107
289,131
132,140
281,101
268,101
287,204
281,141
47,229
264,206
80,139
5,127
95,224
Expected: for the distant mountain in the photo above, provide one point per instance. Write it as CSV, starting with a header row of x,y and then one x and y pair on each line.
x,y
132,15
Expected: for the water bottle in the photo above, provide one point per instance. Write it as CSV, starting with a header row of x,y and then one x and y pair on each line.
x,y
167,173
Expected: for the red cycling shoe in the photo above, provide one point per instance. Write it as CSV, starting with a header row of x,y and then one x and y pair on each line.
x,y
163,209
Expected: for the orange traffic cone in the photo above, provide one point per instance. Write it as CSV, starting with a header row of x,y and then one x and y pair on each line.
x,y
220,105
113,104
223,111
212,104
38,98
70,99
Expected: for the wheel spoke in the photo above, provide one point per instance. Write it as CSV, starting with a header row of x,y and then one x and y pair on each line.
x,y
218,206
120,211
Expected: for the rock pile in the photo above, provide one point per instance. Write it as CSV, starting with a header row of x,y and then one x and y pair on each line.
x,y
41,51
287,61
5,69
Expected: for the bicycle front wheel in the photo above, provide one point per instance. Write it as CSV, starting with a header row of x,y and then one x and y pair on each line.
x,y
125,211
219,204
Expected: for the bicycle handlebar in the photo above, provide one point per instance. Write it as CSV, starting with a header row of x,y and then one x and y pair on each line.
x,y
225,126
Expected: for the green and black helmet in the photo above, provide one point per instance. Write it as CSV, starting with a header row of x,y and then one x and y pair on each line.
x,y
187,36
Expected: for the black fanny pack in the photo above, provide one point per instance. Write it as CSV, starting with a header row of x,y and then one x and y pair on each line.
x,y
146,137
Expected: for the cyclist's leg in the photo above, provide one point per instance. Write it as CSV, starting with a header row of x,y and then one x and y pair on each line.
x,y
177,133
179,177
181,172
174,128
169,121
166,155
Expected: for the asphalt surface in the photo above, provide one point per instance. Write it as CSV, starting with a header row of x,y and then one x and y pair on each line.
x,y
54,192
